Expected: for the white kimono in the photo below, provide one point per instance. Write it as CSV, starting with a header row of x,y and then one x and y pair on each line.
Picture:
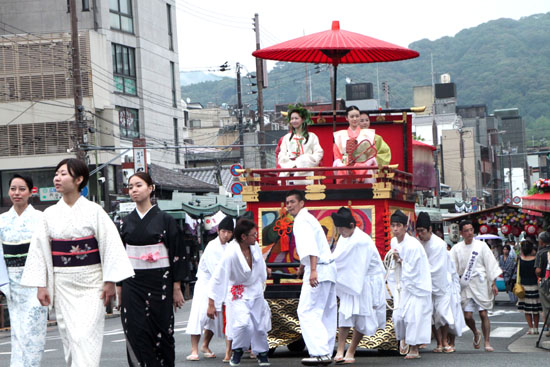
x,y
28,318
360,283
438,257
198,320
75,291
317,306
248,314
456,304
413,316
297,153
484,271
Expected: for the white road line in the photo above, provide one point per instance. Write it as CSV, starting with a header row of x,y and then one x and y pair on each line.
x,y
504,332
118,341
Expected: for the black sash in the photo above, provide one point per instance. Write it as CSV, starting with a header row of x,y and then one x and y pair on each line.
x,y
77,252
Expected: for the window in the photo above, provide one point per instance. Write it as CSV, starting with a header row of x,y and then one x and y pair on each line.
x,y
170,35
194,123
128,119
173,76
85,5
121,15
124,69
176,140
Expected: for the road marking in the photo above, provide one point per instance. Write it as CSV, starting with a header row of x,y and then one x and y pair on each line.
x,y
504,332
118,341
184,329
45,351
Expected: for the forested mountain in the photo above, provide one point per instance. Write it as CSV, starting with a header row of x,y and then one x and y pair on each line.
x,y
503,63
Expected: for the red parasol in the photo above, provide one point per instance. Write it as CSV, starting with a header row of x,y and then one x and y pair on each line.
x,y
335,47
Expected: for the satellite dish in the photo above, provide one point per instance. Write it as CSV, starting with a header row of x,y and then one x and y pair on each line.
x,y
188,100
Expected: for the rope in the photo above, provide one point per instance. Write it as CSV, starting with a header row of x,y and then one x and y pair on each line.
x,y
392,265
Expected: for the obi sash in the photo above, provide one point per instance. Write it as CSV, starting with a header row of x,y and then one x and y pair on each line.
x,y
75,252
15,253
148,256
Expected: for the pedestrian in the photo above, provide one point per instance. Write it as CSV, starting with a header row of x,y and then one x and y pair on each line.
x,y
360,285
478,271
199,323
412,316
507,263
244,272
75,258
541,267
154,246
441,268
28,319
530,304
317,305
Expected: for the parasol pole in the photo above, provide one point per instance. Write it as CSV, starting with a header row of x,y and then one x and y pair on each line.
x,y
335,68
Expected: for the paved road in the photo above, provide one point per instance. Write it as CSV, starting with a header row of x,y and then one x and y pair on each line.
x,y
512,346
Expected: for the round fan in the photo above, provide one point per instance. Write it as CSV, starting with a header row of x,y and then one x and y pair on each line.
x,y
363,152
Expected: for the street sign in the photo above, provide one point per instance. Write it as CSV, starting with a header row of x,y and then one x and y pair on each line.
x,y
508,200
140,156
34,190
234,169
237,188
48,194
516,200
85,191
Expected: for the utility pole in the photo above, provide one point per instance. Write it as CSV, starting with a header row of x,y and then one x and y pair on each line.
x,y
260,81
435,138
511,194
386,93
77,82
461,132
240,112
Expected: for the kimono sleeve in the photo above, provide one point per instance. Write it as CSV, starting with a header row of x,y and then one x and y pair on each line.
x,y
304,234
491,264
36,267
313,155
415,274
217,287
176,249
351,266
283,158
115,263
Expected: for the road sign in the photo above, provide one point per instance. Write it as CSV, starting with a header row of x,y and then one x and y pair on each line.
x,y
508,200
237,188
516,200
234,169
49,194
85,191
34,190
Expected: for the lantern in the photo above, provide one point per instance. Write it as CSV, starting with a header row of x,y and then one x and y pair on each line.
x,y
516,231
531,229
505,229
484,229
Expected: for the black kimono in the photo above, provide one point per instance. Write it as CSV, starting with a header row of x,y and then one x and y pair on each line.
x,y
154,246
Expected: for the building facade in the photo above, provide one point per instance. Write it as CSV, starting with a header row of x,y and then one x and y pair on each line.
x,y
130,87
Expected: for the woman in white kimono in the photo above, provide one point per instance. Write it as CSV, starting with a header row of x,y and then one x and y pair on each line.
x,y
198,321
299,148
359,285
28,318
75,258
243,269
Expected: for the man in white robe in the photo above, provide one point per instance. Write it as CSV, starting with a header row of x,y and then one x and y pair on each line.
x,y
75,291
317,305
243,269
198,320
412,316
359,285
440,268
478,271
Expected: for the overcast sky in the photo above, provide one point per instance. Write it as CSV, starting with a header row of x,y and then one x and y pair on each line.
x,y
211,32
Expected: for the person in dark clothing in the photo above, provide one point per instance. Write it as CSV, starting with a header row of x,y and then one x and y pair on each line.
x,y
154,246
530,304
